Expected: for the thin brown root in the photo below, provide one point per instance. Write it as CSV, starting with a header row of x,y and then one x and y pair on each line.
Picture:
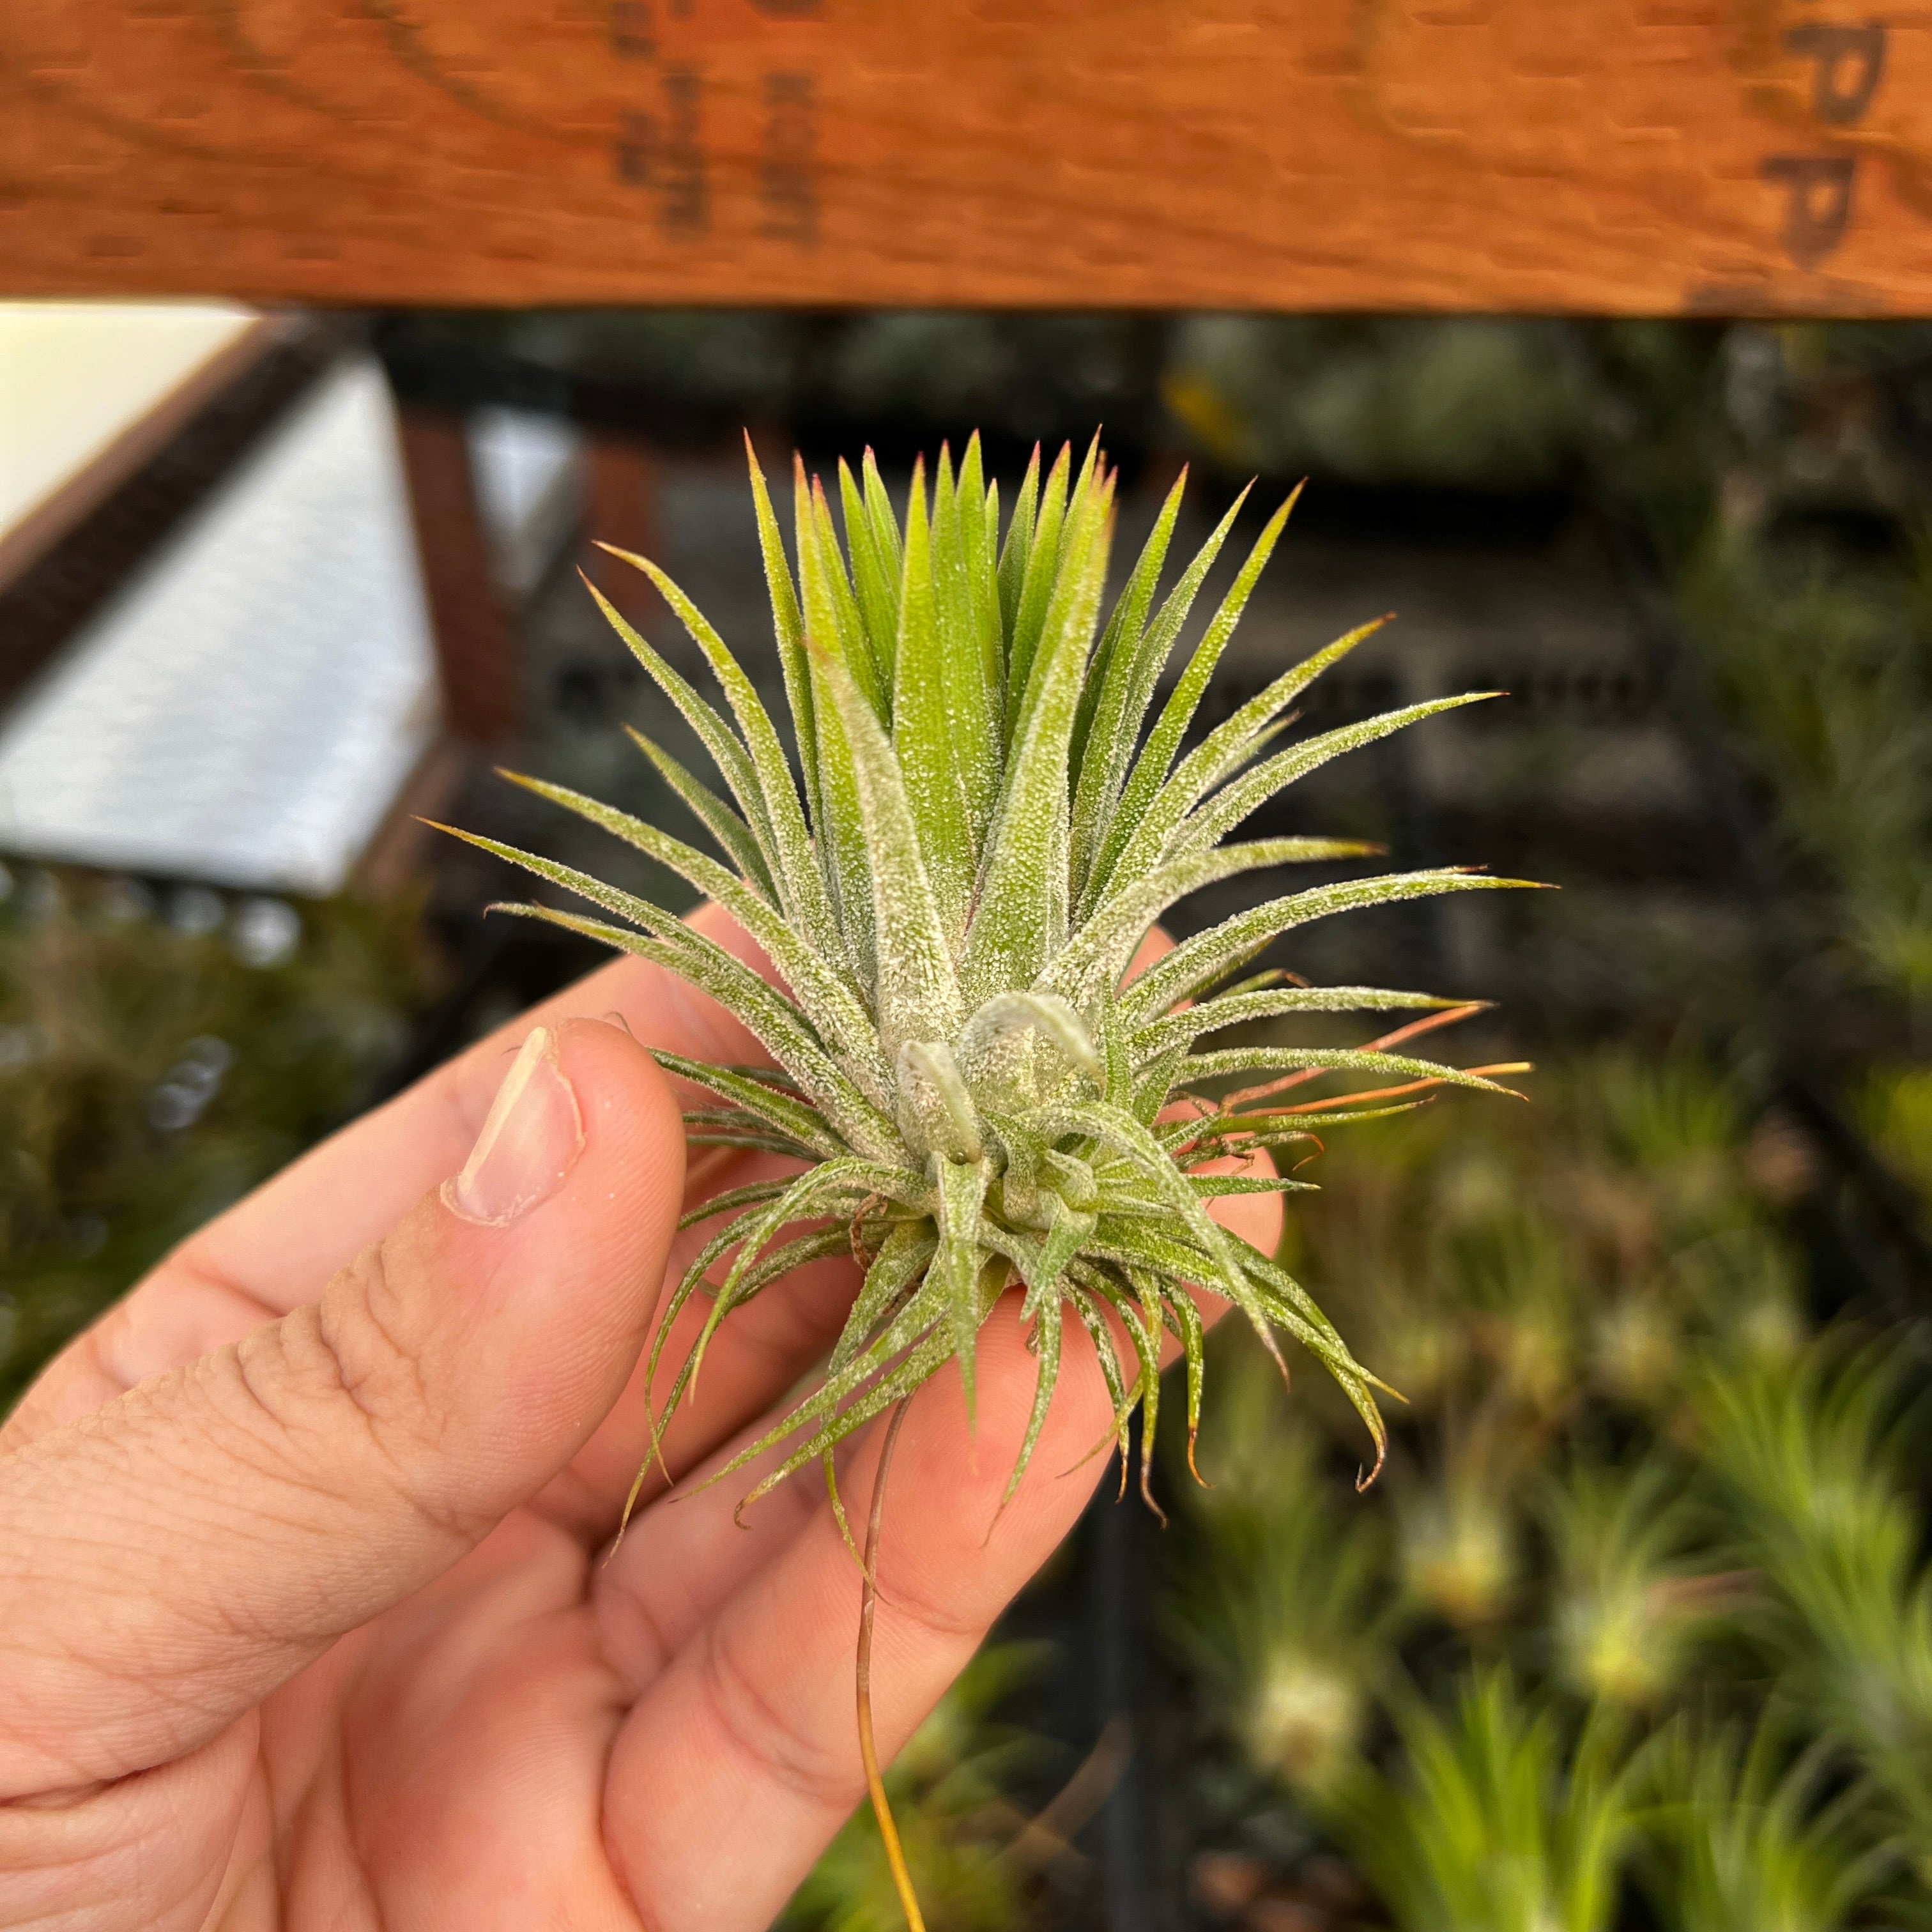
x,y
655,1454
1105,1445
713,1160
1116,1438
1336,1102
1049,1836
869,1750
864,1208
1013,1490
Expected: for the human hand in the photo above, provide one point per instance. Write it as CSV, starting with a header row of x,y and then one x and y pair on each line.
x,y
305,1619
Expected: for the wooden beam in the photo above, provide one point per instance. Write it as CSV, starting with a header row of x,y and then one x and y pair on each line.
x,y
475,644
1614,156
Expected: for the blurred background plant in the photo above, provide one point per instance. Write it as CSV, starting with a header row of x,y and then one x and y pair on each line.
x,y
1495,1818
1743,1833
161,1053
1571,1588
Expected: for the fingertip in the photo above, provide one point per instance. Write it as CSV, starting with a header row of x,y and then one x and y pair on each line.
x,y
530,1276
626,1096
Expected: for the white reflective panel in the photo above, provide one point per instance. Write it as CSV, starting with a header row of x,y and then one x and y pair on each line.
x,y
74,375
246,708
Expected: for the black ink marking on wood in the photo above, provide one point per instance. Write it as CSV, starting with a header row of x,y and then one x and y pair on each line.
x,y
788,172
686,207
663,152
636,148
633,29
1818,204
1847,64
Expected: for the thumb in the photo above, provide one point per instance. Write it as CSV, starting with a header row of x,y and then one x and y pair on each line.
x,y
168,1560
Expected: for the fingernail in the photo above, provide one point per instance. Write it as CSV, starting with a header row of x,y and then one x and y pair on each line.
x,y
530,1141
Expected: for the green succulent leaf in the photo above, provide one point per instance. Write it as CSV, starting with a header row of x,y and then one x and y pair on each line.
x,y
918,996
732,834
1132,674
796,870
1228,808
930,741
1210,955
788,631
1020,919
824,995
1237,1009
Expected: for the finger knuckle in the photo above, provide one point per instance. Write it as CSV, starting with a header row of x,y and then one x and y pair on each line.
x,y
938,1626
773,1737
348,1355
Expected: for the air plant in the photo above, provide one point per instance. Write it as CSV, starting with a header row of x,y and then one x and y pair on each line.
x,y
1279,1606
1757,1544
1522,1282
1748,1837
1630,1599
1458,1551
1807,1459
1897,1106
951,886
1496,1820
1678,1125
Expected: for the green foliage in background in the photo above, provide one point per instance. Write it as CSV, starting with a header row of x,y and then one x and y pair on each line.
x,y
1643,1601
158,1059
1825,659
1467,402
1747,1834
1494,1818
1766,465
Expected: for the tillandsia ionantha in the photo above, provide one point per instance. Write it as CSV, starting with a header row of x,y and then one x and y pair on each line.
x,y
951,884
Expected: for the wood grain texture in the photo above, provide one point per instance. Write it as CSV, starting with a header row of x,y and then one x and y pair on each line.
x,y
1614,156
